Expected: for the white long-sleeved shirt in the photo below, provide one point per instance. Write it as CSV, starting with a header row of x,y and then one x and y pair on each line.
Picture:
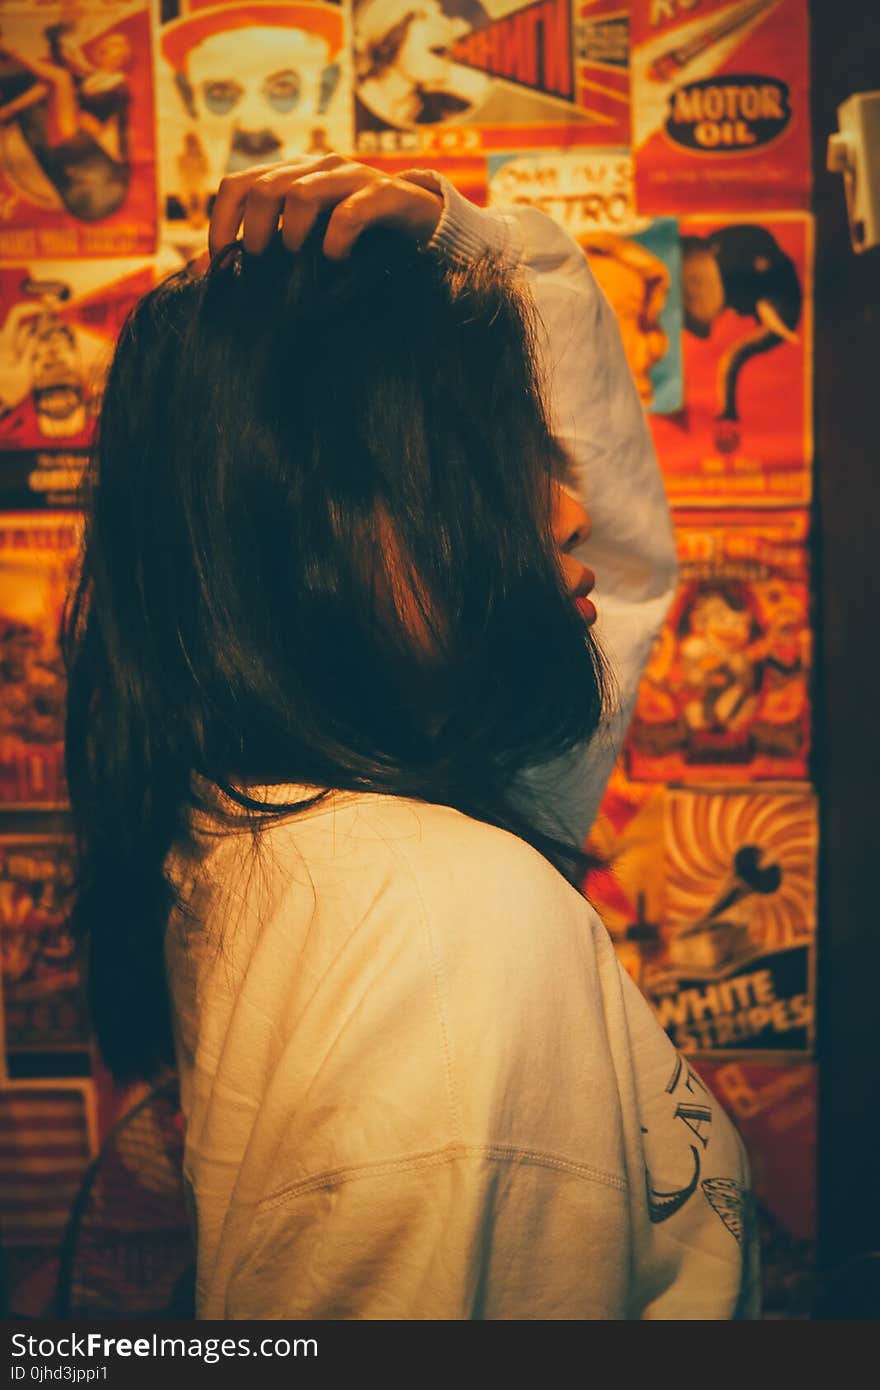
x,y
416,1082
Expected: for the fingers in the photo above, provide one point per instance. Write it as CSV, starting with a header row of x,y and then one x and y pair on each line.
x,y
298,191
311,193
380,202
257,195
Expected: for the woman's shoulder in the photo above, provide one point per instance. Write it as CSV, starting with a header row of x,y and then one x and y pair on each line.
x,y
483,894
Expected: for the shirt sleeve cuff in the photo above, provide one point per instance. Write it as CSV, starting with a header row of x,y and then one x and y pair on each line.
x,y
466,232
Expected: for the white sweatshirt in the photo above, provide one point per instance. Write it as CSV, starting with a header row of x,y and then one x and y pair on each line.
x,y
416,1082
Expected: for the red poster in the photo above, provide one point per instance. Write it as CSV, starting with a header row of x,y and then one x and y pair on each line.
x,y
37,554
775,1110
725,696
77,158
720,104
58,323
744,436
458,77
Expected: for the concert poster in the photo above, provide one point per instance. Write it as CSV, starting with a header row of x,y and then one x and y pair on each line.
x,y
775,1111
744,436
38,552
43,1000
726,693
714,918
77,126
461,77
720,110
244,84
636,260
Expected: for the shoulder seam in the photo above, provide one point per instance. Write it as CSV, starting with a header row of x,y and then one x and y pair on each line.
x,y
433,1158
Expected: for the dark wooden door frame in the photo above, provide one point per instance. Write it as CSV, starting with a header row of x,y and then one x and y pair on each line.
x,y
845,47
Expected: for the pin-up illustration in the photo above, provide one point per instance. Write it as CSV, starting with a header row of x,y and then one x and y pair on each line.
x,y
247,84
742,268
64,114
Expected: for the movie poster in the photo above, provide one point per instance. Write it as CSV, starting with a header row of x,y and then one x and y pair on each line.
x,y
43,1000
775,1110
709,897
37,555
77,159
744,437
462,76
720,104
726,694
58,324
244,84
637,261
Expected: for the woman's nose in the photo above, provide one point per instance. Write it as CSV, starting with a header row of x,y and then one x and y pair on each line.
x,y
571,520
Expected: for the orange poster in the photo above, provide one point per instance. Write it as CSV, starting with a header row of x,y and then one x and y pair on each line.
x,y
77,126
709,897
725,696
720,104
37,554
744,437
244,84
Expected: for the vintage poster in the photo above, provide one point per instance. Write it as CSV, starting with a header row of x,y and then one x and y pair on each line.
x,y
43,1001
77,124
37,555
58,324
463,76
709,897
636,260
775,1110
244,84
744,437
726,694
721,117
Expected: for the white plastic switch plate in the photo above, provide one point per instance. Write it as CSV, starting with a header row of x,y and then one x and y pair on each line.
x,y
854,151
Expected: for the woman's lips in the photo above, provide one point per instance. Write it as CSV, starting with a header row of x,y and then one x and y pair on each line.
x,y
587,609
584,586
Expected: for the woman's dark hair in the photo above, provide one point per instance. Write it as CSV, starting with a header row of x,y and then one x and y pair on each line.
x,y
293,456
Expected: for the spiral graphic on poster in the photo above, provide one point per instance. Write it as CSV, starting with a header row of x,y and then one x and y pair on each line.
x,y
706,830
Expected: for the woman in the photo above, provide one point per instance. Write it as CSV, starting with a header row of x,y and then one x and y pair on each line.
x,y
331,667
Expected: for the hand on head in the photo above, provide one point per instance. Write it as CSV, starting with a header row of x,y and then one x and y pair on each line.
x,y
299,191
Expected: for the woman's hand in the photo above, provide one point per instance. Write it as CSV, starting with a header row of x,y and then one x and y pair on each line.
x,y
300,190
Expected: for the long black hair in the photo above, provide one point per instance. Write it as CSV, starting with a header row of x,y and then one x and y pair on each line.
x,y
317,551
